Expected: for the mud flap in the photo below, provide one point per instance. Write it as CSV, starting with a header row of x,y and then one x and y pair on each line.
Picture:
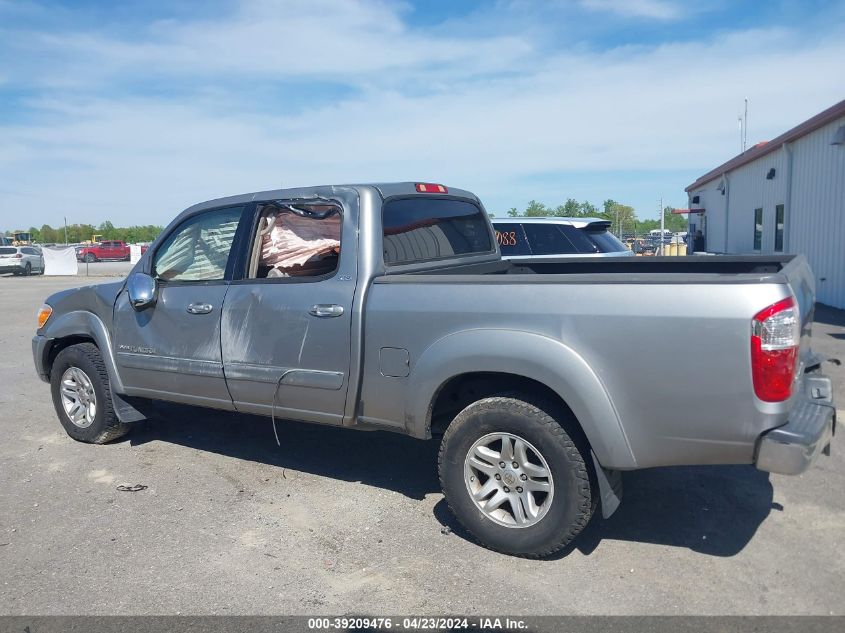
x,y
610,487
125,411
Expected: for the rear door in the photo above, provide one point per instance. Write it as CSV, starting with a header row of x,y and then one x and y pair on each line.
x,y
171,350
286,329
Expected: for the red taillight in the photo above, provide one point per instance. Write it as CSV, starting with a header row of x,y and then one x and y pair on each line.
x,y
18,256
775,336
426,187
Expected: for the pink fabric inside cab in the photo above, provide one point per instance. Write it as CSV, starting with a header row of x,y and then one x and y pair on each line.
x,y
294,240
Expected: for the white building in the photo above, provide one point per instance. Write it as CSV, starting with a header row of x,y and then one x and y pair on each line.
x,y
786,195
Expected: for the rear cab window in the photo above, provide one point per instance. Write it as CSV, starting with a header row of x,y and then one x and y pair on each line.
x,y
427,228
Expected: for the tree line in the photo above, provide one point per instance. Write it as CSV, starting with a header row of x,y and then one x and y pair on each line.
x,y
77,233
622,216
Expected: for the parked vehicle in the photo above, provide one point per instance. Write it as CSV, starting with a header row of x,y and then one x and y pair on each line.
x,y
21,260
525,239
109,250
388,306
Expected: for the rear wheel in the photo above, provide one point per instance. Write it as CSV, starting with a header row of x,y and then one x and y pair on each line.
x,y
27,269
81,393
515,477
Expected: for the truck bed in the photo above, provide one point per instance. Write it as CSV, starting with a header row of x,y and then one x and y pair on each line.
x,y
693,269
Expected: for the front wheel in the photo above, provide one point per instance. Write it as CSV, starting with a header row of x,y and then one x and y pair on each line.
x,y
79,383
90,257
515,477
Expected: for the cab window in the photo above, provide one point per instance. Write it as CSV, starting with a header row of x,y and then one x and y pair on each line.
x,y
198,250
420,229
296,240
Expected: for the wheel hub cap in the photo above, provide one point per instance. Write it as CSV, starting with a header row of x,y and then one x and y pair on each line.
x,y
508,480
78,397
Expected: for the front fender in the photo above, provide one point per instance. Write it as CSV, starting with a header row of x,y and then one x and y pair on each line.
x,y
533,356
88,324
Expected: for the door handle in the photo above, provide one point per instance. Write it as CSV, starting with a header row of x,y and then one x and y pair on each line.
x,y
199,308
326,310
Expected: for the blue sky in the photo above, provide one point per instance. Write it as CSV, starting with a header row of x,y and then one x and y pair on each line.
x,y
132,111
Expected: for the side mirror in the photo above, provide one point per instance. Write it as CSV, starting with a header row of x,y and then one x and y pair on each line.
x,y
142,290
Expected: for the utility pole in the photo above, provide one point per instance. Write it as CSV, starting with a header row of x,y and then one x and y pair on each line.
x,y
65,230
745,126
662,225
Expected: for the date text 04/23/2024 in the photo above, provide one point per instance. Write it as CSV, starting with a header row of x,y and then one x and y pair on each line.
x,y
417,623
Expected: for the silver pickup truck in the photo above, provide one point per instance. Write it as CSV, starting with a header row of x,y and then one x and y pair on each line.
x,y
388,306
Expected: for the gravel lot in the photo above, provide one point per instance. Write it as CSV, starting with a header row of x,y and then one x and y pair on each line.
x,y
342,521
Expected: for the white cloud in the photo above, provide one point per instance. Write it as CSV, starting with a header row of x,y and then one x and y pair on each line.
x,y
343,40
651,9
424,107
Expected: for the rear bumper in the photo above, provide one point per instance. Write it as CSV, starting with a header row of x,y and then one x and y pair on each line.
x,y
11,268
792,448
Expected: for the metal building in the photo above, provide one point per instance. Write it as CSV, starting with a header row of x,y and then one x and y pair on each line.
x,y
786,195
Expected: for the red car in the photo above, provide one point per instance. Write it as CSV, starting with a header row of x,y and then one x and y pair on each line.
x,y
115,250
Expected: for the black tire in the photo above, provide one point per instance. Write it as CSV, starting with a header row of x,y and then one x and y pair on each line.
x,y
106,425
544,426
27,270
90,257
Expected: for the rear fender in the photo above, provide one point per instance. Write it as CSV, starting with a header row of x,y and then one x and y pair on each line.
x,y
533,356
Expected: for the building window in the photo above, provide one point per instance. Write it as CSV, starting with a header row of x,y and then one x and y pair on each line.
x,y
758,229
779,228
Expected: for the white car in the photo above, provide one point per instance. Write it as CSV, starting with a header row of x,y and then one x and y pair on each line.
x,y
21,260
550,238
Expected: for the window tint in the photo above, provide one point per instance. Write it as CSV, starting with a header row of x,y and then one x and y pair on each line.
x,y
8,251
29,251
548,239
605,241
421,229
511,239
758,229
779,228
199,248
580,239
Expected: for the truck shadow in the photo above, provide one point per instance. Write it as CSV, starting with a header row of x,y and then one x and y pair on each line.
x,y
386,460
713,510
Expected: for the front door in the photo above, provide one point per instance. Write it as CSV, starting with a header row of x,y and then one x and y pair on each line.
x,y
286,329
171,350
